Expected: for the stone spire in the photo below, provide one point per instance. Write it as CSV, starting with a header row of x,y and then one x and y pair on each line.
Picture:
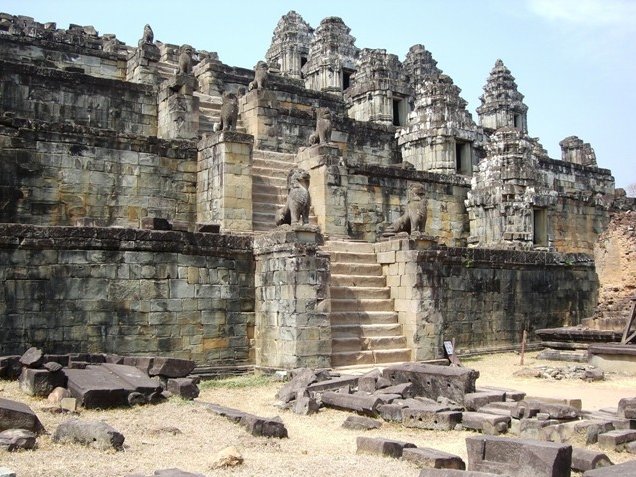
x,y
501,104
420,65
332,56
290,44
439,105
576,151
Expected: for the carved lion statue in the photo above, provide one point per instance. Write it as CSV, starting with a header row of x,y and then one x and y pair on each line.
x,y
148,36
260,76
229,112
185,59
414,218
296,210
322,135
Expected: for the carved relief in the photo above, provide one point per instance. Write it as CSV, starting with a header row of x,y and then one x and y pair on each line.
x,y
296,210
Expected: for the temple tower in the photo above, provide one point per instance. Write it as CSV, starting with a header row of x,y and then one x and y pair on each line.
x,y
419,65
290,45
576,151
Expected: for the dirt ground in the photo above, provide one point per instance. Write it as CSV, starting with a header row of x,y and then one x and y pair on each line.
x,y
317,444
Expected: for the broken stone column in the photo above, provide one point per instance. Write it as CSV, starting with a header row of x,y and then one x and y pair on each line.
x,y
142,64
292,299
327,187
178,108
224,180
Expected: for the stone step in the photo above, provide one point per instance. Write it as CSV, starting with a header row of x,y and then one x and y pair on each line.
x,y
363,317
353,358
363,304
273,163
357,293
371,343
261,154
268,198
367,269
267,170
353,257
366,330
348,246
280,181
357,280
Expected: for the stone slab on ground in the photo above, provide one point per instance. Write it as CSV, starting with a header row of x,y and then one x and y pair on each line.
x,y
361,423
263,427
486,423
587,459
510,394
89,433
381,446
40,382
518,457
367,382
626,469
333,384
96,387
498,408
233,415
351,402
427,457
297,386
16,439
616,440
404,390
581,433
473,401
433,381
10,367
425,419
17,415
185,388
136,378
530,428
456,473
391,412
32,358
576,403
627,408
171,367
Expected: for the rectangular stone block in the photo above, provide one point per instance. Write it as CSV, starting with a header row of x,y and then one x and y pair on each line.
x,y
627,408
135,377
455,473
262,427
434,381
625,469
486,423
351,402
427,457
171,367
587,459
40,382
426,419
17,415
580,433
95,387
616,440
381,446
391,412
473,401
518,457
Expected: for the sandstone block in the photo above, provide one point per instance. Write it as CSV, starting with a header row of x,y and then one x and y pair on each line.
x,y
351,402
16,415
361,423
627,408
616,440
619,470
183,387
367,382
404,390
16,439
576,432
586,459
427,457
32,358
391,412
306,406
89,433
381,446
10,367
486,423
454,473
473,401
427,419
258,426
297,386
40,382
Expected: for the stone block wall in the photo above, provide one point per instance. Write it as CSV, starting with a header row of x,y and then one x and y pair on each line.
x,y
54,174
292,299
482,298
126,291
47,94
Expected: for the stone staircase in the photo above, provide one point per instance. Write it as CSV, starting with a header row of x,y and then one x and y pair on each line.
x,y
364,325
269,186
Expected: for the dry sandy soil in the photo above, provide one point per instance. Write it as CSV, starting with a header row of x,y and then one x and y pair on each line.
x,y
317,444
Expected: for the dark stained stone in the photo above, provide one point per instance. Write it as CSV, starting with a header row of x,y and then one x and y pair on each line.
x,y
16,415
32,358
361,423
297,386
427,457
616,440
16,439
136,378
93,433
259,426
10,367
473,401
96,387
171,367
422,418
183,387
588,459
486,423
305,406
351,402
627,408
52,366
40,382
626,469
381,446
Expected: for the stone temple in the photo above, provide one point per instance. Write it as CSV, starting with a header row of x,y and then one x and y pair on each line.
x,y
334,206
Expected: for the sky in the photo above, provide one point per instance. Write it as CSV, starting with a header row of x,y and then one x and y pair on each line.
x,y
574,60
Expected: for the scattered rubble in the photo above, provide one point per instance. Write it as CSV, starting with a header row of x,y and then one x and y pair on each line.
x,y
228,457
584,372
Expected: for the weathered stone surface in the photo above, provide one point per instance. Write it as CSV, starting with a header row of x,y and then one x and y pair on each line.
x,y
183,387
367,382
228,457
95,387
333,384
56,396
455,473
616,440
618,470
428,419
89,433
361,423
486,423
4,472
518,457
581,433
527,408
16,415
297,386
10,367
391,412
306,406
174,472
171,367
52,366
627,408
427,457
473,401
40,382
32,358
587,459
434,381
16,439
351,402
381,446
258,426
404,390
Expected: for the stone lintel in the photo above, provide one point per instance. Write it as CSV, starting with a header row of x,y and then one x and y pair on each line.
x,y
212,139
318,155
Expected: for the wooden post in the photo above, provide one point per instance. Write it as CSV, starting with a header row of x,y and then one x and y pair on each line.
x,y
523,346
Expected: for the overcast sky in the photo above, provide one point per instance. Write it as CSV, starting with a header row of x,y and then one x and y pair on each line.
x,y
574,60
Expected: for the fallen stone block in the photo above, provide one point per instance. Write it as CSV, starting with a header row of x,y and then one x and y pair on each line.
x,y
68,404
361,423
351,402
262,427
455,473
32,358
391,412
233,415
305,406
297,386
433,381
518,457
17,439
16,415
137,379
387,398
225,458
56,396
183,387
575,403
511,395
89,433
581,433
142,362
586,459
404,390
486,423
333,384
528,409
381,446
498,408
616,440
367,382
530,428
95,387
474,401
10,367
631,447
626,469
425,419
627,408
61,359
427,457
171,367
40,382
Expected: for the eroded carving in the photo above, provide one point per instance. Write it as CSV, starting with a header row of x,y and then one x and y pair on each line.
x,y
414,217
229,112
185,60
296,210
322,134
260,76
148,37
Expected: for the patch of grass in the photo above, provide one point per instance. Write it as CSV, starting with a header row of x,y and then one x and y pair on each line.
x,y
246,381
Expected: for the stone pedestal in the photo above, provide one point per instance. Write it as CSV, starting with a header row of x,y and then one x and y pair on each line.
x,y
178,109
224,180
327,187
258,110
208,74
292,299
142,64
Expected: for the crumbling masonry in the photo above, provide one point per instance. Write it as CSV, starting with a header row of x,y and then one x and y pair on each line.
x,y
140,187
